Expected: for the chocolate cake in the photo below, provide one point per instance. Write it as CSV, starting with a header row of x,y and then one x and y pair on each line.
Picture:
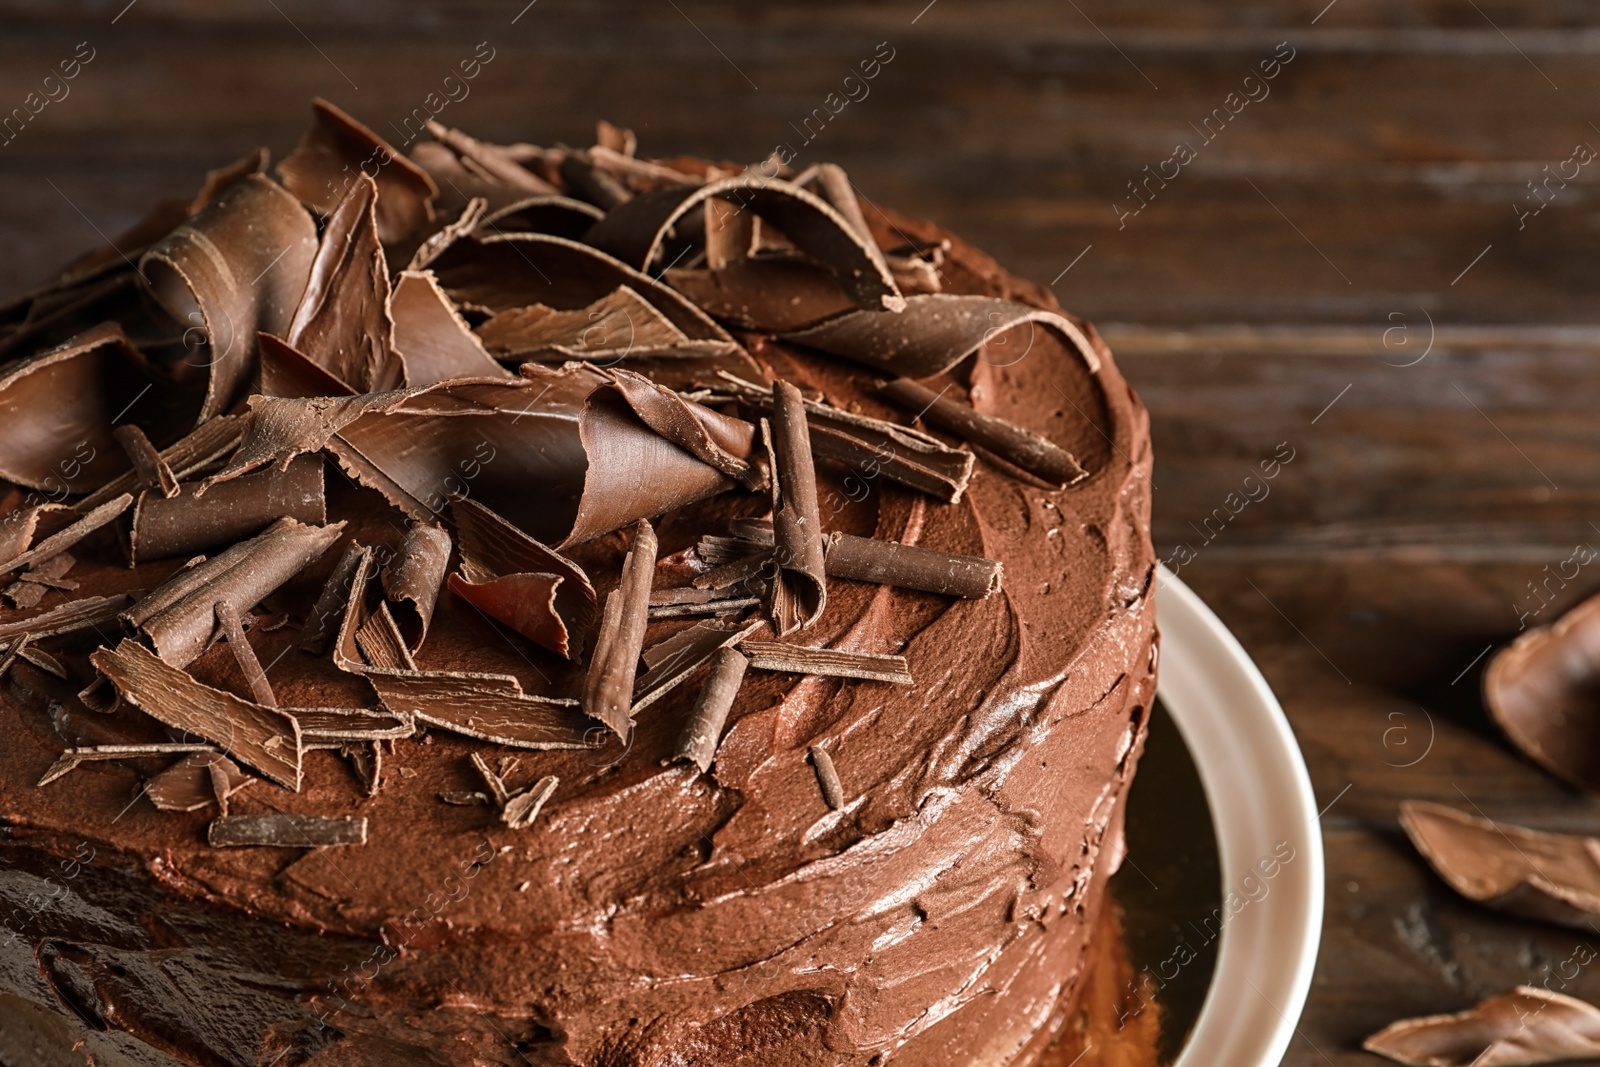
x,y
519,605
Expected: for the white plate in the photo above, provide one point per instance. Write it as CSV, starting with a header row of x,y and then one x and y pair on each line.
x,y
1261,804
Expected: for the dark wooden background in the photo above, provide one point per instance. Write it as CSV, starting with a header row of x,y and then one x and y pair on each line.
x,y
1283,288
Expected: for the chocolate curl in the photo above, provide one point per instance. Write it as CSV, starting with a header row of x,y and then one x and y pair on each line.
x,y
827,662
90,613
488,707
1023,448
865,559
56,410
381,642
618,139
328,612
335,151
561,216
151,470
284,831
189,523
620,325
730,234
637,232
1553,877
522,808
1521,1028
64,539
244,655
342,323
352,724
714,439
73,758
700,738
938,331
827,778
492,160
220,179
835,188
262,738
472,214
206,444
197,781
771,294
413,583
592,184
670,662
361,603
237,268
432,341
798,595
178,617
277,429
1540,690
530,587
367,761
608,686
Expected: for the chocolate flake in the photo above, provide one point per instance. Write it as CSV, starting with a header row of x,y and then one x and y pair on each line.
x,y
828,662
72,757
1554,877
827,777
799,594
1032,452
1540,690
205,445
367,761
716,605
464,798
522,808
592,183
608,685
865,559
244,654
197,781
472,215
497,787
493,160
86,614
1522,1028
148,465
489,707
260,737
43,660
412,584
192,522
285,831
431,339
700,738
771,293
620,325
381,643
668,663
351,724
329,610
70,536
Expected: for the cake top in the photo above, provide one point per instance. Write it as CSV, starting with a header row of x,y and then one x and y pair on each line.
x,y
511,478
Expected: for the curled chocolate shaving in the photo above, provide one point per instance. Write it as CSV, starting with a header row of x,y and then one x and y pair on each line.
x,y
1523,1028
492,161
197,781
380,642
591,183
468,220
262,738
938,331
491,778
178,617
522,808
351,724
489,707
638,231
701,736
90,613
244,654
621,325
236,269
798,595
431,339
277,429
1031,452
285,831
1541,690
412,584
342,323
361,603
190,522
713,604
57,407
608,685
329,610
205,445
714,439
827,662
72,758
561,216
44,661
670,662
512,577
772,294
64,539
367,761
827,777
336,151
1554,877
151,470
865,559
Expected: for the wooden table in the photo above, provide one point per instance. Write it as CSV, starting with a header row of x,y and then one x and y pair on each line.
x,y
1281,289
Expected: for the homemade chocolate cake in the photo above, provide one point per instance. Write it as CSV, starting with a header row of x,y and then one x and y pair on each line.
x,y
520,605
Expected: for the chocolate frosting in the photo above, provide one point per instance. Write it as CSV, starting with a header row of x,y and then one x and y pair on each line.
x,y
936,912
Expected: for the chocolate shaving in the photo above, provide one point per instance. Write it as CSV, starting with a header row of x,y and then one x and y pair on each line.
x,y
493,160
367,761
381,643
489,707
798,595
827,777
262,738
497,787
520,809
285,831
236,269
1554,877
220,179
1024,448
620,325
148,466
360,605
71,535
328,612
351,724
472,214
1523,1028
700,738
205,445
331,156
637,232
86,614
670,662
72,757
244,655
178,617
464,798
864,559
43,660
277,429
608,685
197,781
431,339
618,139
827,662
1541,691
558,215
936,332
412,584
9,658
342,323
190,522
714,606
592,183
514,578
714,439
731,234
772,294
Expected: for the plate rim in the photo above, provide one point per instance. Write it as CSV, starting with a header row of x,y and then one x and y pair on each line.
x,y
1259,791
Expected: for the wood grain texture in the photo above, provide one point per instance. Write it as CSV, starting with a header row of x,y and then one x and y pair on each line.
x,y
1254,303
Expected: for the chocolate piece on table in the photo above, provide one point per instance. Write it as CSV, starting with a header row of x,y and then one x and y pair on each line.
x,y
244,654
197,781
